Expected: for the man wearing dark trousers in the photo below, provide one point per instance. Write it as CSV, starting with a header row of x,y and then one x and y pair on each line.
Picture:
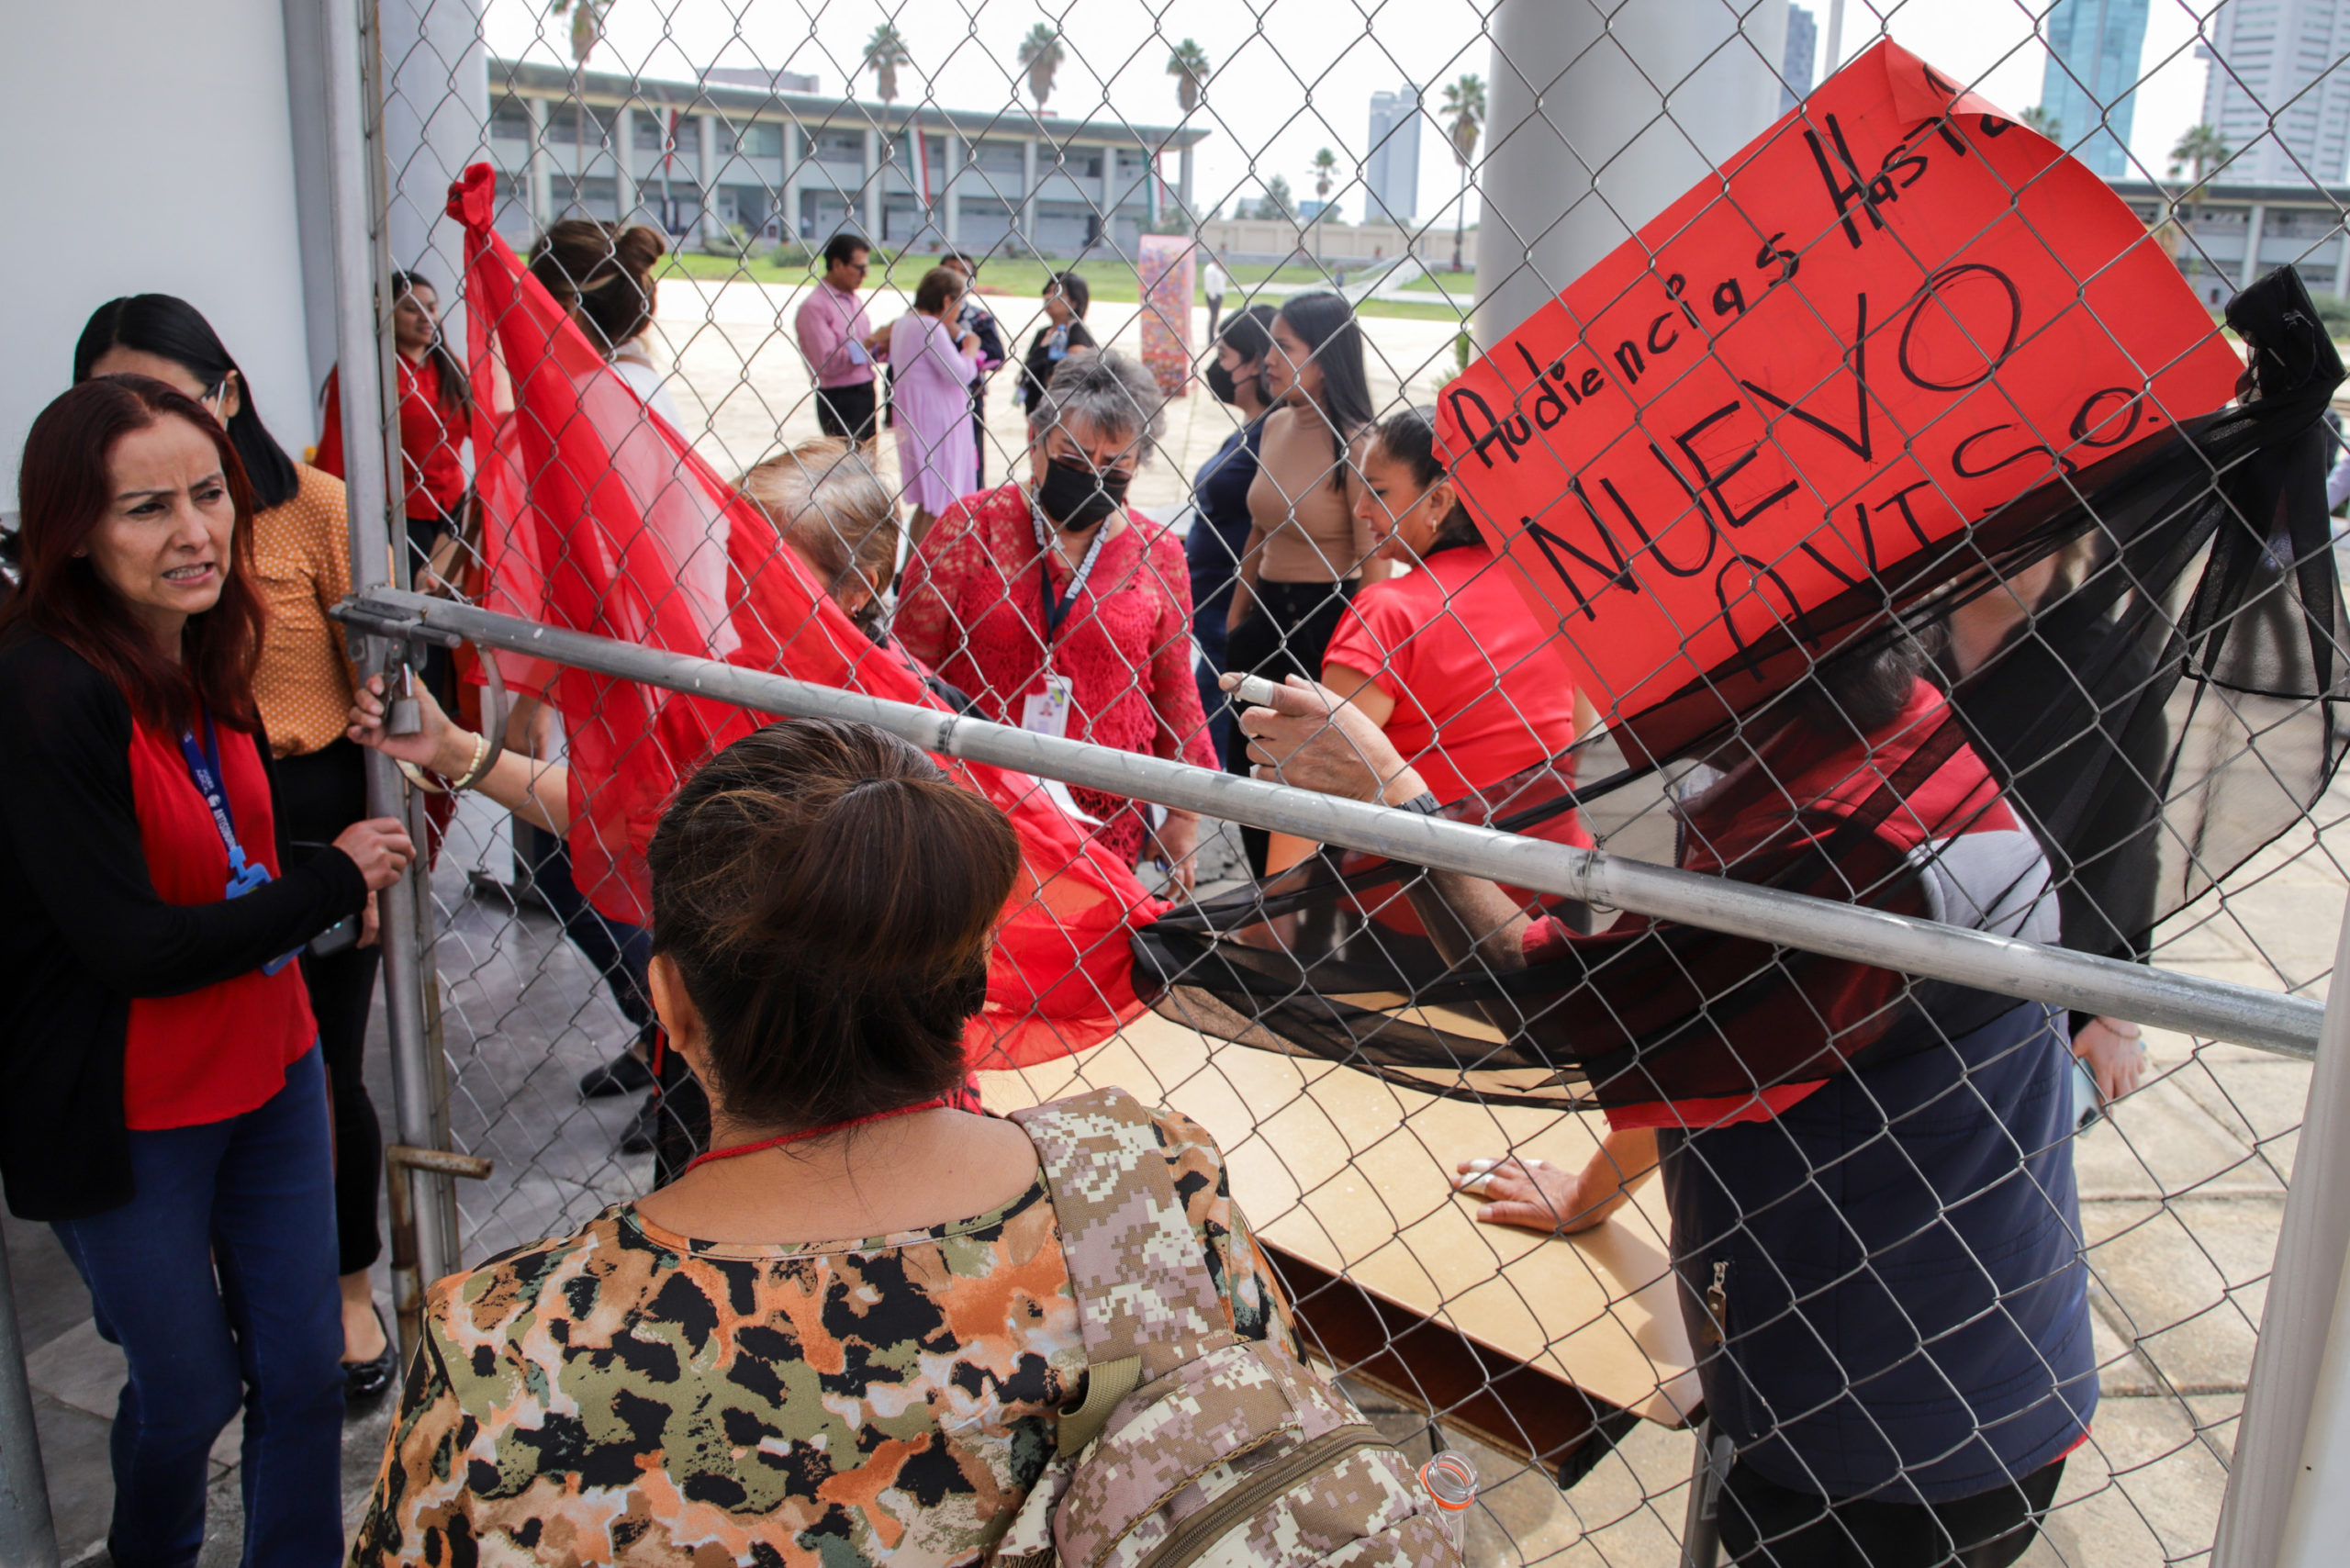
x,y
839,344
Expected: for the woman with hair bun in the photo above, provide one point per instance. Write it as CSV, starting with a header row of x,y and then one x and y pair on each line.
x,y
603,275
846,1333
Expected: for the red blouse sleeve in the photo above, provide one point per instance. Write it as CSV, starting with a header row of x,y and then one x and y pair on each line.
x,y
927,620
1174,691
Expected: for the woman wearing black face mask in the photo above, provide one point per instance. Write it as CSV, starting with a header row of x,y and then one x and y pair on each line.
x,y
1219,537
1060,610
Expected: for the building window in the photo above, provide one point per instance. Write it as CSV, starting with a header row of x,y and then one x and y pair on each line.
x,y
566,124
509,120
652,129
840,147
999,158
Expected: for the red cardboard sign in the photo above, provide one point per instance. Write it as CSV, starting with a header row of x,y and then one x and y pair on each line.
x,y
1892,312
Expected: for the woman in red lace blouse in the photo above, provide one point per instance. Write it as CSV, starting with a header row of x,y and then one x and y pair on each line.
x,y
1061,610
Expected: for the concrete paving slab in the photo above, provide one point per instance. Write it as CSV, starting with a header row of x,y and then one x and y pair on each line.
x,y
2184,1282
2159,1142
2145,1490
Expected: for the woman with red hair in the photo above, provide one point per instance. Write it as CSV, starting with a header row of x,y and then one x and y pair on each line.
x,y
162,1101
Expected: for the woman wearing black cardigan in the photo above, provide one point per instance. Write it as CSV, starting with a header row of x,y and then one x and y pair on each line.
x,y
162,1101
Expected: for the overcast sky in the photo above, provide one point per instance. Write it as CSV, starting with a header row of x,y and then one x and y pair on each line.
x,y
1291,76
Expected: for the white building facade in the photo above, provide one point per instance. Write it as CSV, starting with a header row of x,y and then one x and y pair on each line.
x,y
703,160
2278,93
2232,232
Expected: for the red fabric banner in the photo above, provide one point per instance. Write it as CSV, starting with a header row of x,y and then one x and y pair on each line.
x,y
599,517
1893,312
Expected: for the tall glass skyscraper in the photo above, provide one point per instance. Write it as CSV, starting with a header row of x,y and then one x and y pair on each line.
x,y
1390,175
2093,49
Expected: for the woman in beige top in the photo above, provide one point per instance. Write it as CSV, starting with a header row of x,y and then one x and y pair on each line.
x,y
1307,550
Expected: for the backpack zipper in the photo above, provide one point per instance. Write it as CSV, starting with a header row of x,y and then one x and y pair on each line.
x,y
1718,1304
1187,1541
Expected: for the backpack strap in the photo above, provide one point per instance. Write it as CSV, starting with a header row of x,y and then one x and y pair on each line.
x,y
1144,1294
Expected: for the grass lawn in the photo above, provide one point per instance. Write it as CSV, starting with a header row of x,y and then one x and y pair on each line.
x,y
1111,281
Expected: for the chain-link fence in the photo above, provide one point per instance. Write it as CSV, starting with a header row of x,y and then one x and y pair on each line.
x,y
1882,523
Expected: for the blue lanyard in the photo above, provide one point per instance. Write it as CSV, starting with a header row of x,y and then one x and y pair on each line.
x,y
204,772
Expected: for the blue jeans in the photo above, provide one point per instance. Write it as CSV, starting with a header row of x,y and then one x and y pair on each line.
x,y
219,1283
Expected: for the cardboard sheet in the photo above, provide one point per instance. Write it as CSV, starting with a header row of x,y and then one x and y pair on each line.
x,y
1352,1175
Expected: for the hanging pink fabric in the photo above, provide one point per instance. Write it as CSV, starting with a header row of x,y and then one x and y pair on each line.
x,y
599,517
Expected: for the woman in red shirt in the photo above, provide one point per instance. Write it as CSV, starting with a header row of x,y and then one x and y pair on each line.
x,y
1446,658
162,1104
435,407
1057,608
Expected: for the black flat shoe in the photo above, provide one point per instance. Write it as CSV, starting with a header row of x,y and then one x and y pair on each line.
x,y
638,1139
624,1074
365,1383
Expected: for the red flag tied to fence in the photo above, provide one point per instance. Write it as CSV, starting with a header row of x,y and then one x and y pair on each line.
x,y
600,518
1892,313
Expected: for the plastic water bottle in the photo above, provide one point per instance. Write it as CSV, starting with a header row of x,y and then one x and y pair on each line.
x,y
1451,1481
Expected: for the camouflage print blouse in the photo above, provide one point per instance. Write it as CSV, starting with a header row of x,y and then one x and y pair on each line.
x,y
627,1395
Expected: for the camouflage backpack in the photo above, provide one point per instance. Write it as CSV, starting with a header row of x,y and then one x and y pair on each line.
x,y
1191,1445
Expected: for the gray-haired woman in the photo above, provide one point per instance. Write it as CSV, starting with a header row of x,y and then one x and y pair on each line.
x,y
1062,609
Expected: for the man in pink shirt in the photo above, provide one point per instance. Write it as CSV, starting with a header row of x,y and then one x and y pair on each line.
x,y
839,344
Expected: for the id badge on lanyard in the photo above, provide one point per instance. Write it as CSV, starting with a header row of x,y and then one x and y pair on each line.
x,y
1046,712
204,771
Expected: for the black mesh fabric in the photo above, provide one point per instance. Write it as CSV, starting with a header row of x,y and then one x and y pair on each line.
x,y
2196,609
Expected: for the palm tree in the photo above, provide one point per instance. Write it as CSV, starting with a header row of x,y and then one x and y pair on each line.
x,y
1326,165
2038,118
884,52
587,32
2201,147
1464,111
1040,56
587,27
1189,66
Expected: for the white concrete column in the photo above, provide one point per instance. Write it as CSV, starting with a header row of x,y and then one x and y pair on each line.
x,y
871,189
436,122
708,227
1655,95
2287,1500
2254,221
305,99
2342,269
624,154
1184,181
953,221
1028,191
541,181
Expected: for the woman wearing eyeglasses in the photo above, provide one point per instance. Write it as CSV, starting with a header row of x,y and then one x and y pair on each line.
x,y
1061,610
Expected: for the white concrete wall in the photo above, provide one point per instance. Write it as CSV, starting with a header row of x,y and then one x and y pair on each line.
x,y
145,145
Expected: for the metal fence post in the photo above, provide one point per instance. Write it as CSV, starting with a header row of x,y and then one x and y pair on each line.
x,y
27,1534
2284,1501
359,265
